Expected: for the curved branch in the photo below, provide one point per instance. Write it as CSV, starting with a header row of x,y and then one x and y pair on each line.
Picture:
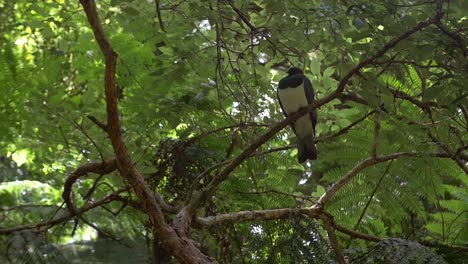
x,y
102,168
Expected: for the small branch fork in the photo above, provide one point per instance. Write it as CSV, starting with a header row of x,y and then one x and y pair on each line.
x,y
174,235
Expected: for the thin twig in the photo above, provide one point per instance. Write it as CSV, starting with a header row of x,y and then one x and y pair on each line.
x,y
158,14
50,223
367,163
371,197
98,123
457,38
303,197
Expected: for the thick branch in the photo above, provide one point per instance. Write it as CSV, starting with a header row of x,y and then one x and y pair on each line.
x,y
354,234
285,213
259,215
181,247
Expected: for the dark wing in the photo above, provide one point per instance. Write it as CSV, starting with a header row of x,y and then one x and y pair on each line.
x,y
309,92
281,105
284,83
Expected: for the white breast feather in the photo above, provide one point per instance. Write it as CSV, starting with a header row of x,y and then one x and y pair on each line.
x,y
292,99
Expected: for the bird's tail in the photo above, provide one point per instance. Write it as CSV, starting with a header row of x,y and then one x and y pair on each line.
x,y
306,149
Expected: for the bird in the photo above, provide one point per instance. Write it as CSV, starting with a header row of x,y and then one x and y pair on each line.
x,y
294,92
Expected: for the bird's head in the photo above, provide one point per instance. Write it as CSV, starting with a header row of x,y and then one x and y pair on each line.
x,y
294,71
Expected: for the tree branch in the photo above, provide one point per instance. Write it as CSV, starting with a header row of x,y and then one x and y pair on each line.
x,y
371,196
352,97
66,217
367,163
456,156
376,135
158,14
345,129
97,123
179,245
354,234
457,38
259,215
328,224
102,168
423,105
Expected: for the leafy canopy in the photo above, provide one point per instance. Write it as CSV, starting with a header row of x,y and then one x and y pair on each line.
x,y
196,85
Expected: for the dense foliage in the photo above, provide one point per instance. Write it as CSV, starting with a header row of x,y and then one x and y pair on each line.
x,y
196,84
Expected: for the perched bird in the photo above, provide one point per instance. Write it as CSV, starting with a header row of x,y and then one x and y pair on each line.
x,y
294,92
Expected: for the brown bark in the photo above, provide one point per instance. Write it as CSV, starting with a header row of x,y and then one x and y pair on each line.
x,y
258,215
180,246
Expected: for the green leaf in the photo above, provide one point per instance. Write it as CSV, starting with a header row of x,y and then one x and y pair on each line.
x,y
328,71
315,67
327,82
